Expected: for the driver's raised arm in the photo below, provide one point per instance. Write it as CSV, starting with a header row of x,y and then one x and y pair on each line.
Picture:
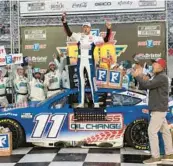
x,y
67,29
100,39
107,37
108,34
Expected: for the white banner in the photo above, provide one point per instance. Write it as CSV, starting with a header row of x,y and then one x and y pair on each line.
x,y
11,59
2,50
55,7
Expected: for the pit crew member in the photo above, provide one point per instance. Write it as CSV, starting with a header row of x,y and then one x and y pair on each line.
x,y
21,86
3,84
52,80
37,87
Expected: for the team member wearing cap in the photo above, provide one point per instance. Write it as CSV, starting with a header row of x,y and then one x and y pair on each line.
x,y
53,80
3,84
158,106
86,43
37,87
21,86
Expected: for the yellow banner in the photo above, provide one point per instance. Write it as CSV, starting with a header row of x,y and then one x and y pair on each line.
x,y
104,55
72,52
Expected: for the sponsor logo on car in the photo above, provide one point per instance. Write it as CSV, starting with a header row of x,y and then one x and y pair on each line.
x,y
8,114
149,30
149,43
113,122
79,5
26,116
131,94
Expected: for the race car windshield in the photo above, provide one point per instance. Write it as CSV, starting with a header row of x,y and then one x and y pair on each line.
x,y
51,97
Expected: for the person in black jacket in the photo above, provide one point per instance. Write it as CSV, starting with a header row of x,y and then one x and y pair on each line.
x,y
158,106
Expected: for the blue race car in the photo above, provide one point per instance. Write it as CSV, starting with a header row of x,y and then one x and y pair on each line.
x,y
56,121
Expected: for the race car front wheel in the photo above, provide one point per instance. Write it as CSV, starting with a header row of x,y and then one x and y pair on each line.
x,y
136,134
17,131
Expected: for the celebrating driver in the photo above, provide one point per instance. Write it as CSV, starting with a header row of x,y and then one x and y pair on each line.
x,y
86,44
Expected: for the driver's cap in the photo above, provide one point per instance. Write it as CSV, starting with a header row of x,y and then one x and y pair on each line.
x,y
87,24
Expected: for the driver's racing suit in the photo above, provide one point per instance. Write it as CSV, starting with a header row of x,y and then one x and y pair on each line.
x,y
86,45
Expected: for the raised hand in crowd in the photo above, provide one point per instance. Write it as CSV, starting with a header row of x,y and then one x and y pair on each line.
x,y
54,56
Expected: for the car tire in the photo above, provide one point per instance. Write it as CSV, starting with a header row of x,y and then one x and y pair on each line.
x,y
136,134
18,136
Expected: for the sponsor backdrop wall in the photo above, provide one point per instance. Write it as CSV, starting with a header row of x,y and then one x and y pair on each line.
x,y
54,7
147,40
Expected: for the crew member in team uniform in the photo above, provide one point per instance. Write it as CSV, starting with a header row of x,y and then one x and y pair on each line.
x,y
21,86
29,70
3,84
52,80
37,87
86,44
126,80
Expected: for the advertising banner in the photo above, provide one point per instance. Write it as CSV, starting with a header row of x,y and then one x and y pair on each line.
x,y
144,40
128,43
54,7
11,59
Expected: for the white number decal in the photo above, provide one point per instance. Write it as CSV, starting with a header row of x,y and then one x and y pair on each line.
x,y
42,121
56,125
